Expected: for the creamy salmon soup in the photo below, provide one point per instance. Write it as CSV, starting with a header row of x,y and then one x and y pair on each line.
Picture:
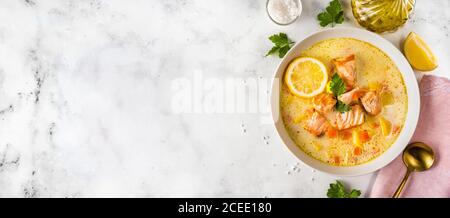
x,y
343,101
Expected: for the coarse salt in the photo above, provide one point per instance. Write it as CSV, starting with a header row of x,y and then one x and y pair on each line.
x,y
283,11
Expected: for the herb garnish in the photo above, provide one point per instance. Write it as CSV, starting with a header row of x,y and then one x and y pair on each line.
x,y
282,44
337,190
342,107
337,87
333,14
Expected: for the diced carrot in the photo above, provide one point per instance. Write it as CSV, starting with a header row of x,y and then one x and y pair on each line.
x,y
364,136
346,135
357,151
337,160
395,129
376,149
374,124
332,133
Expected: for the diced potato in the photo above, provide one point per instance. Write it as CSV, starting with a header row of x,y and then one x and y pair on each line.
x,y
385,126
387,98
373,86
331,151
356,139
347,154
372,122
289,99
371,132
299,119
317,145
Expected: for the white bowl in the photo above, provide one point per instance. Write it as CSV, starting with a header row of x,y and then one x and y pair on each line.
x,y
411,87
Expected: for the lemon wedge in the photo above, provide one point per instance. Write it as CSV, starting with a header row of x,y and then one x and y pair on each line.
x,y
418,53
306,77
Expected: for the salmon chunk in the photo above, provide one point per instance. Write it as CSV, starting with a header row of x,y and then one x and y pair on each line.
x,y
346,69
352,96
351,118
316,124
324,102
371,102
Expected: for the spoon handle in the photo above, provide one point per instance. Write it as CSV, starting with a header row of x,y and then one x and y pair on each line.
x,y
402,185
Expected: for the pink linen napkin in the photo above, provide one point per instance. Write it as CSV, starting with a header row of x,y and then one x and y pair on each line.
x,y
433,129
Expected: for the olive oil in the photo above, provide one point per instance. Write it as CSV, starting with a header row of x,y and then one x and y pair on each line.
x,y
382,15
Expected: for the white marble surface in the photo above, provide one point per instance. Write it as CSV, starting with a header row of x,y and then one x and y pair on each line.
x,y
85,98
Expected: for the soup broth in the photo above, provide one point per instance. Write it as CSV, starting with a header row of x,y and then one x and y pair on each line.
x,y
375,71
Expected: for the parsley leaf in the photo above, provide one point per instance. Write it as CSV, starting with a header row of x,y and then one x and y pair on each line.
x,y
325,18
354,193
337,85
273,51
282,44
283,50
280,40
337,190
342,107
333,14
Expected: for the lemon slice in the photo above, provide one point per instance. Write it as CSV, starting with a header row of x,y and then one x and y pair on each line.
x,y
306,77
418,53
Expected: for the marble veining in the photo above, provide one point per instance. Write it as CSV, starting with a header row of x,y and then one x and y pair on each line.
x,y
85,98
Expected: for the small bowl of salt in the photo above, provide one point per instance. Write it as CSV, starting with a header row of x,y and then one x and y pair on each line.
x,y
283,12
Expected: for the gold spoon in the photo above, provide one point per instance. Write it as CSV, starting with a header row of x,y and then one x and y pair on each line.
x,y
417,157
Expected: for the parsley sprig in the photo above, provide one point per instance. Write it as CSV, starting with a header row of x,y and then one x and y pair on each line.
x,y
337,87
281,43
333,14
337,190
342,107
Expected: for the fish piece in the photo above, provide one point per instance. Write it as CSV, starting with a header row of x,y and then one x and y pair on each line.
x,y
324,102
346,69
352,95
371,102
351,118
316,124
